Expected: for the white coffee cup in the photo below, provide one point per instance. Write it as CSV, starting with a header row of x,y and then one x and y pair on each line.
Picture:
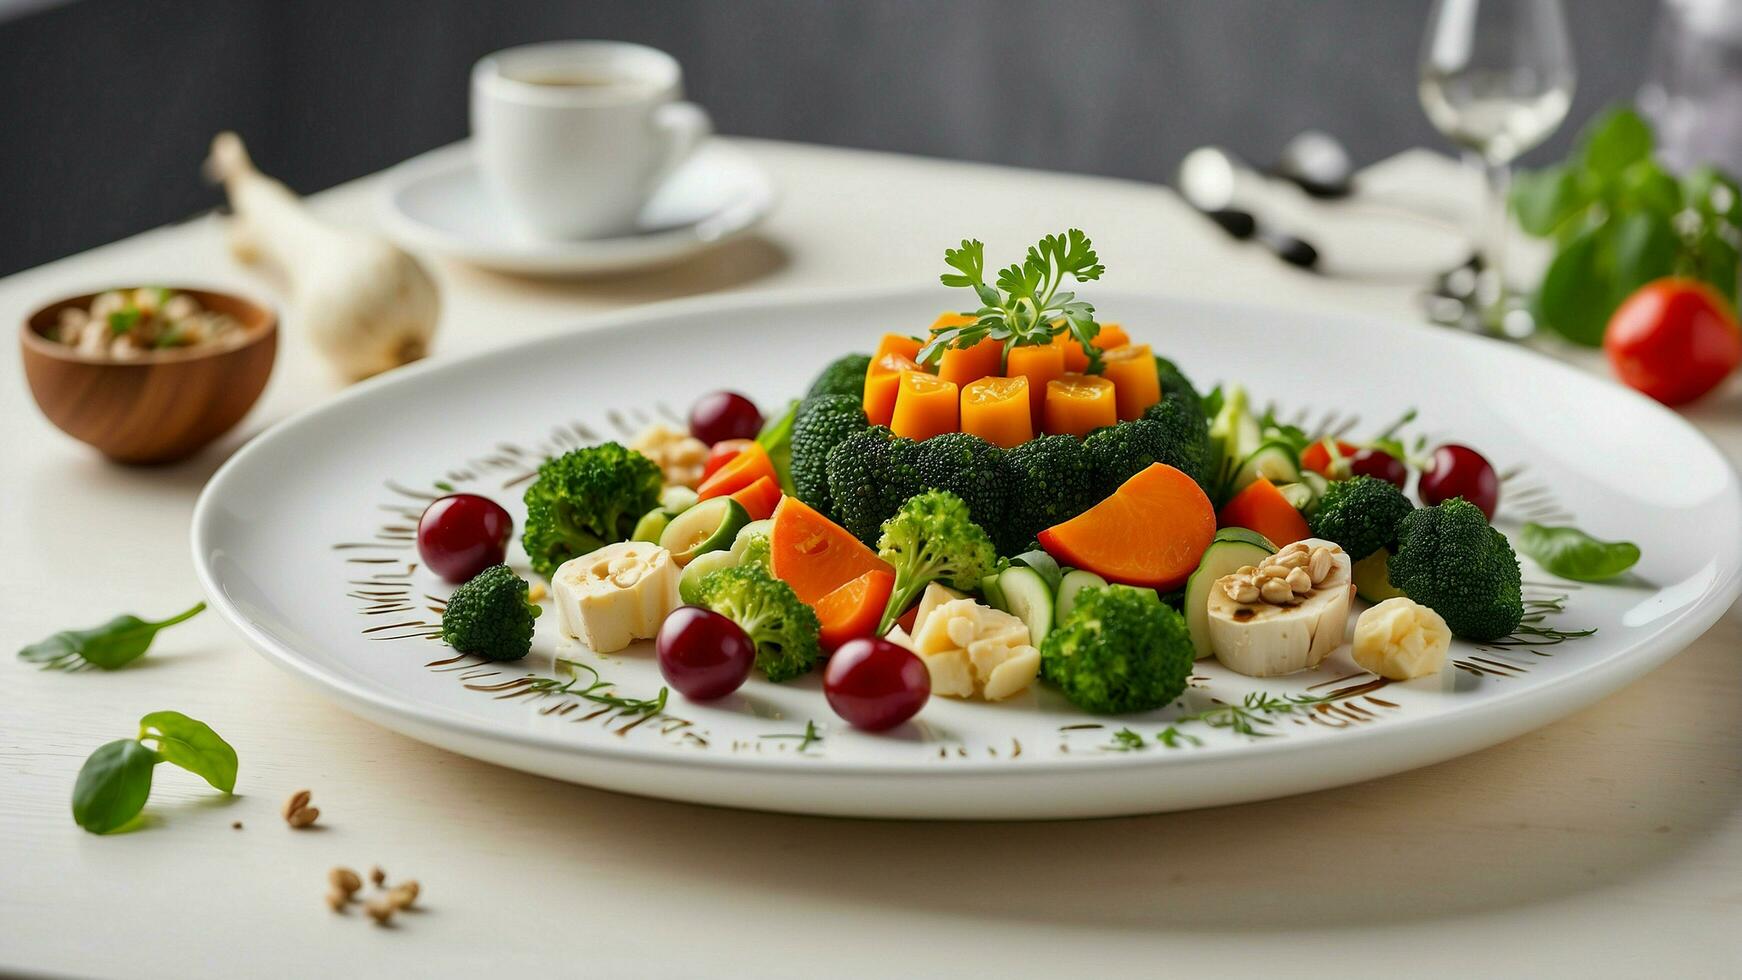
x,y
572,137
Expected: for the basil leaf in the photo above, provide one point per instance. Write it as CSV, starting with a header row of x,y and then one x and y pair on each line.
x,y
1616,142
112,786
193,746
114,644
1543,199
1571,553
1645,185
1570,300
1645,246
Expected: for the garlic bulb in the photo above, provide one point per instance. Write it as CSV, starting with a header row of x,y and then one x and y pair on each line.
x,y
367,305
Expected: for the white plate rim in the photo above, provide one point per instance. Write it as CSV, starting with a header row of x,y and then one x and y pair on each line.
x,y
1510,712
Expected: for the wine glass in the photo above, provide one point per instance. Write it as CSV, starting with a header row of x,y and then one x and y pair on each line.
x,y
1496,79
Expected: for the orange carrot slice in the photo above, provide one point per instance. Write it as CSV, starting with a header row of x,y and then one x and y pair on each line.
x,y
1152,531
1136,384
759,498
882,383
925,406
1317,457
723,452
895,343
739,472
996,410
1039,364
964,366
1111,335
853,610
1076,360
1262,508
1078,404
815,555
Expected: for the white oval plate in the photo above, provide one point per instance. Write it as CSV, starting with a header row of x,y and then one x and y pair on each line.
x,y
303,541
437,202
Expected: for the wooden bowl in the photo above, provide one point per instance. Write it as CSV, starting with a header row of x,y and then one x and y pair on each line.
x,y
163,406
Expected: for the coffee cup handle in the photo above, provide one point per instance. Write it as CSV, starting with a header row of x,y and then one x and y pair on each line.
x,y
683,125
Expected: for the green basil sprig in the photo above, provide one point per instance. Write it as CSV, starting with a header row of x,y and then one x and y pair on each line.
x,y
1619,221
1571,553
114,644
115,781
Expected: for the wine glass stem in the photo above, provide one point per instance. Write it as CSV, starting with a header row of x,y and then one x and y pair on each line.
x,y
1495,226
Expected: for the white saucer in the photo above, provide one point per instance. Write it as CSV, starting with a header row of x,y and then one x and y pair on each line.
x,y
437,203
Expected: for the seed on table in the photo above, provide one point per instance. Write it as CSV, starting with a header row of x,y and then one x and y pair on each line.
x,y
402,895
337,900
344,880
380,910
297,801
377,876
304,817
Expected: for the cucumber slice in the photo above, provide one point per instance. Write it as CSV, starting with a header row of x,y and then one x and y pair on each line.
x,y
651,526
708,526
993,593
1045,564
1232,549
1372,576
1074,581
1028,598
674,499
1299,495
754,529
689,583
1275,461
1316,482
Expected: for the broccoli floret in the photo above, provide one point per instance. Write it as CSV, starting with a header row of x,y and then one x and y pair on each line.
x,y
1361,514
870,473
844,376
977,472
586,499
757,551
1449,559
1168,433
783,628
823,422
1054,482
489,616
1174,384
932,539
1119,650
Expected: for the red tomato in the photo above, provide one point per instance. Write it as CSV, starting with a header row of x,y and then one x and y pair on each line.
x,y
722,453
1674,339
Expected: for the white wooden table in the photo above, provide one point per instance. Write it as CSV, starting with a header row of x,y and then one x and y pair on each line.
x,y
1610,842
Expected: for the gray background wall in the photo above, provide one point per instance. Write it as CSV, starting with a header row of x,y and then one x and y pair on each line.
x,y
106,106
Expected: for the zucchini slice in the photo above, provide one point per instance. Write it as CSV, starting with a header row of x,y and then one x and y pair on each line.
x,y
711,525
1074,581
1274,460
1027,597
1232,549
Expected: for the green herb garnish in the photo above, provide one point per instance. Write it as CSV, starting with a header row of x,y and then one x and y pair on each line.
x,y
1125,740
1024,306
1571,553
597,690
1619,221
114,644
115,781
809,737
1253,710
122,321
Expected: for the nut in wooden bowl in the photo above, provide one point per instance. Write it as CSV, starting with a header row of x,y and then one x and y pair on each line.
x,y
157,405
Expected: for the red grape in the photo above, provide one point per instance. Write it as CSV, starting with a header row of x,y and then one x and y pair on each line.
x,y
703,654
1459,471
462,534
875,684
721,415
1381,464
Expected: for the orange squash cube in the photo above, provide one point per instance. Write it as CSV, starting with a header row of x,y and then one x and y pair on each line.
x,y
925,406
1136,384
1077,404
998,411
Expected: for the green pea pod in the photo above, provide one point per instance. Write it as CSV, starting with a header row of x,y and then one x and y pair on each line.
x,y
113,785
1571,553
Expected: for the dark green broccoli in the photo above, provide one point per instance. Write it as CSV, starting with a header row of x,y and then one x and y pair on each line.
x,y
870,474
845,375
1170,435
1119,650
783,628
1361,514
489,616
586,499
977,472
1054,482
823,422
1174,384
932,539
1449,559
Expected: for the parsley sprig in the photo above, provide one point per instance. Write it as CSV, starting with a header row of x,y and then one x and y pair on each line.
x,y
1023,305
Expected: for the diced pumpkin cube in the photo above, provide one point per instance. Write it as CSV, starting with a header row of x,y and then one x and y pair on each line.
x,y
1136,384
1077,404
998,411
925,406
882,380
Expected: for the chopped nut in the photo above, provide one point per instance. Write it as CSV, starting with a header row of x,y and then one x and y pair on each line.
x,y
402,895
380,910
679,455
297,801
1242,590
536,592
1320,564
304,817
377,876
1246,571
1276,592
1299,581
1269,571
236,825
1290,559
344,880
337,900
